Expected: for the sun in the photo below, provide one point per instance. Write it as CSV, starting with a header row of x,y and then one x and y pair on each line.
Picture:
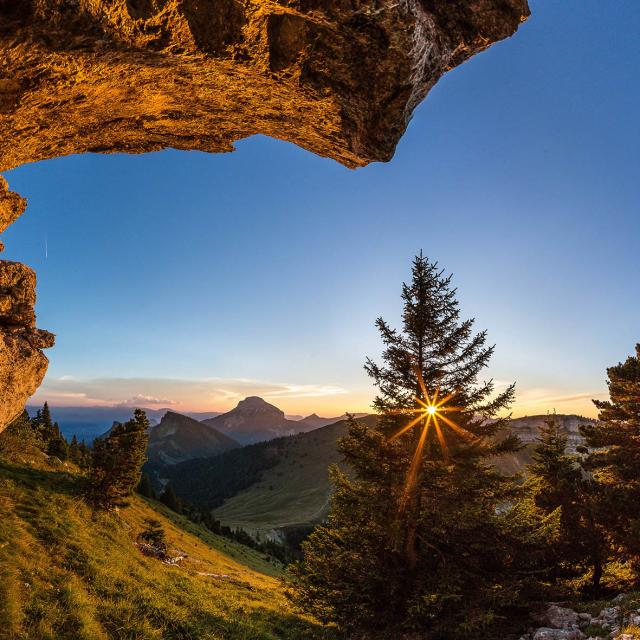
x,y
430,411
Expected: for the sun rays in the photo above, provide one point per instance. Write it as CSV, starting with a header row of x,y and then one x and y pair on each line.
x,y
429,412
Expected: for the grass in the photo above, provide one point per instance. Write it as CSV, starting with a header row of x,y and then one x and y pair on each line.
x,y
295,491
69,573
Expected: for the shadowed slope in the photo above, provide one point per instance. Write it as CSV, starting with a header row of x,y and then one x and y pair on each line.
x,y
69,574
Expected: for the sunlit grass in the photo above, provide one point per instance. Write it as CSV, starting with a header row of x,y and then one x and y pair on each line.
x,y
67,573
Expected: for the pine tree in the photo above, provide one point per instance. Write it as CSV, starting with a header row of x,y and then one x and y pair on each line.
x,y
84,458
58,445
429,550
170,499
615,457
558,483
74,450
117,460
44,424
145,488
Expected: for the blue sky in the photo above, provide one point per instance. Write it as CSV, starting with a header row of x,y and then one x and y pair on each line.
x,y
196,279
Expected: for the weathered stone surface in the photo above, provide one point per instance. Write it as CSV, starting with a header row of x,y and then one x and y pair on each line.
x,y
558,617
558,634
338,77
22,363
12,205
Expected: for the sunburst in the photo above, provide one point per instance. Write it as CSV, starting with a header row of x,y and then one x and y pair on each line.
x,y
430,411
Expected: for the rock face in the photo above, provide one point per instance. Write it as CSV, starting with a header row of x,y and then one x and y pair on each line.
x,y
12,205
338,77
22,363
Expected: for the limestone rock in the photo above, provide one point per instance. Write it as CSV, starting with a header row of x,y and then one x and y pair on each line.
x,y
557,634
22,363
12,205
340,78
558,617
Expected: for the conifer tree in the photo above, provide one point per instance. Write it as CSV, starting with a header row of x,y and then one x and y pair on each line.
x,y
74,450
145,488
558,483
427,550
170,499
45,425
84,457
117,460
615,457
58,445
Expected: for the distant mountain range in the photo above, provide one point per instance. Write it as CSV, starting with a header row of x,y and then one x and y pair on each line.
x,y
178,438
87,423
255,420
284,483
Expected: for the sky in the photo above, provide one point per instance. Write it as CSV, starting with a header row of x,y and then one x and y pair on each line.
x,y
189,280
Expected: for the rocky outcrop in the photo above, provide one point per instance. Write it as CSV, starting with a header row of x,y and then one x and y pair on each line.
x,y
22,363
12,206
619,621
338,77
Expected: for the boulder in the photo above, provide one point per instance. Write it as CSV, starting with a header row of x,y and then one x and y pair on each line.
x,y
557,634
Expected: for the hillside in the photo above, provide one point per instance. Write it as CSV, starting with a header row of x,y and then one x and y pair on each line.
x,y
528,428
178,438
284,483
314,421
255,420
269,485
69,574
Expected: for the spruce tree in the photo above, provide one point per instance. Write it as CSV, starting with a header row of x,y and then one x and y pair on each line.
x,y
615,457
558,483
418,538
145,488
45,426
58,445
117,460
170,499
74,450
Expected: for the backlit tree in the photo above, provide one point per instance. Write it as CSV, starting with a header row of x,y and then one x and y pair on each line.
x,y
420,537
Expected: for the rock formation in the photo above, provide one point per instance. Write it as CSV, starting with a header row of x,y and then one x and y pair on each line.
x,y
338,77
22,363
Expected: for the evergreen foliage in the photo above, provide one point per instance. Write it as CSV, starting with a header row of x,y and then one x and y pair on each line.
x,y
117,460
444,557
559,484
153,534
145,488
20,435
170,499
614,458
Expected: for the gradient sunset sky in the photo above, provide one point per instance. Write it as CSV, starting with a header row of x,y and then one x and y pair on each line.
x,y
189,281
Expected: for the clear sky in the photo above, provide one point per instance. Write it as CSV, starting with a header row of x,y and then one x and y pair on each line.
x,y
193,280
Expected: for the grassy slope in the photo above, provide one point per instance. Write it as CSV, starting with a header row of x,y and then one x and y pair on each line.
x,y
67,573
295,491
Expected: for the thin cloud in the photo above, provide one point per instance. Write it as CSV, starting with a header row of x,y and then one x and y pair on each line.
x,y
214,393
